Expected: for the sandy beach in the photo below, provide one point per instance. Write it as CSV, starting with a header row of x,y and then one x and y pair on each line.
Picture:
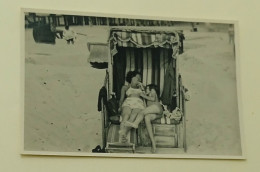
x,y
61,94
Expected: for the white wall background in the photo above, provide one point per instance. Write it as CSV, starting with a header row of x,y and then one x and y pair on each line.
x,y
245,11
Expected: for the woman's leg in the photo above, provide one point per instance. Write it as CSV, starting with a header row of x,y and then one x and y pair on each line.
x,y
148,118
131,119
152,109
134,114
126,111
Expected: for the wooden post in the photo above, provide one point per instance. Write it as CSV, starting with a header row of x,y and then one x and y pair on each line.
x,y
48,19
184,122
73,20
177,81
82,20
65,20
96,20
34,17
44,20
107,21
110,72
177,71
57,19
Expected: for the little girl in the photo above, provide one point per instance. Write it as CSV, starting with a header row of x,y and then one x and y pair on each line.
x,y
69,35
154,110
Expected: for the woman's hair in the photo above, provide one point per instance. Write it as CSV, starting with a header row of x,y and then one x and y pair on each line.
x,y
153,86
130,75
67,27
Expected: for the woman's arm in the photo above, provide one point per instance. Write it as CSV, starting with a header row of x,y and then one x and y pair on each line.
x,y
122,97
150,98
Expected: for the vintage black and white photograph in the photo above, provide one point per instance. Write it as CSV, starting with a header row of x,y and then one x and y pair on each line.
x,y
128,86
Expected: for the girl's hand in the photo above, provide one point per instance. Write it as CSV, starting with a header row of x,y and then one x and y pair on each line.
x,y
141,85
119,109
142,95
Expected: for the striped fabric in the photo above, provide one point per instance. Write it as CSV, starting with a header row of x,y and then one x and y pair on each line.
x,y
165,120
151,62
144,40
131,61
113,135
130,38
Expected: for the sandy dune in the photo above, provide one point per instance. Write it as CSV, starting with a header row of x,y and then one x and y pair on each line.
x,y
61,91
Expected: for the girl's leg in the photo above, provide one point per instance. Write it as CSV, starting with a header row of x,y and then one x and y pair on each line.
x,y
153,109
148,118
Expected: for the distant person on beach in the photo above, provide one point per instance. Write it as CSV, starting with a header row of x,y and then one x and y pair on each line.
x,y
69,35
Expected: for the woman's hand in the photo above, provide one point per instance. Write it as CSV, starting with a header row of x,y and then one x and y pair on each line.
x,y
140,85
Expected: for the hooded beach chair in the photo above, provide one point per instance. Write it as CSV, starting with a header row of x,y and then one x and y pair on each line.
x,y
155,55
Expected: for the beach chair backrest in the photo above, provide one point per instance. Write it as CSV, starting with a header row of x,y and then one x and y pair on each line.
x,y
151,62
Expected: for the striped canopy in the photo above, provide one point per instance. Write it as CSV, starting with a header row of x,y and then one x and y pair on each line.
x,y
144,39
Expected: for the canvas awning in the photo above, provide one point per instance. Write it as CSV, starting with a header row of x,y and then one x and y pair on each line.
x,y
135,38
98,53
98,56
145,39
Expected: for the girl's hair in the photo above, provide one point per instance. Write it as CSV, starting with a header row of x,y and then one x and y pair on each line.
x,y
130,75
153,86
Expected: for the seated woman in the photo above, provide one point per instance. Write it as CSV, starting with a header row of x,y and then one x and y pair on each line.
x,y
154,110
133,103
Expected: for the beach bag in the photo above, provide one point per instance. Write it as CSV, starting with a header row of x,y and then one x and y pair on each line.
x,y
112,107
